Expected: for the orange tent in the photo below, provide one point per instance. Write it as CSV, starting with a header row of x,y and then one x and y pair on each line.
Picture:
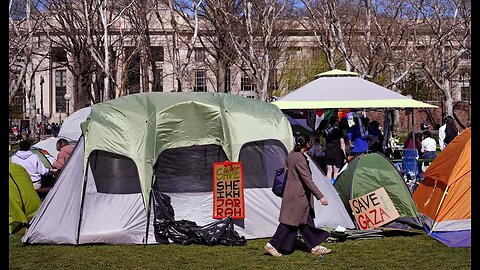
x,y
444,196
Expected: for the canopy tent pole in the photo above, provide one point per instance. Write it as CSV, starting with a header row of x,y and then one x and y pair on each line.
x,y
414,145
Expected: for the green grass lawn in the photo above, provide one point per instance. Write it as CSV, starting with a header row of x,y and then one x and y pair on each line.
x,y
417,251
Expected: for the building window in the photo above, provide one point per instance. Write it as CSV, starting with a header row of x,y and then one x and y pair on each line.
x,y
465,93
200,84
157,53
58,55
246,82
199,55
158,84
228,84
133,71
60,90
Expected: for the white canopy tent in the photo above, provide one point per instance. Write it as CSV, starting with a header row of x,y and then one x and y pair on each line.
x,y
70,130
338,89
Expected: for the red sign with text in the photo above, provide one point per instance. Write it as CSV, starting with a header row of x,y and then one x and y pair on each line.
x,y
228,185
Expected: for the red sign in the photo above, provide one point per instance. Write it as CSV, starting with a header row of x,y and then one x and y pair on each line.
x,y
228,185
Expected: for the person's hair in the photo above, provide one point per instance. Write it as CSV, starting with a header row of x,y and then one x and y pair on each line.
x,y
343,123
374,124
365,121
301,141
427,134
61,143
323,125
24,145
333,120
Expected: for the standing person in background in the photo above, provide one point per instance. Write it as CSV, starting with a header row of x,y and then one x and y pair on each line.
x,y
334,149
451,131
441,133
297,210
344,127
375,137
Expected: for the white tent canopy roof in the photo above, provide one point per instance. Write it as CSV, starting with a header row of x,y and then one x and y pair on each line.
x,y
340,89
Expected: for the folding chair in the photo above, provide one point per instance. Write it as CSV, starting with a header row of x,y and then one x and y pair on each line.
x,y
410,167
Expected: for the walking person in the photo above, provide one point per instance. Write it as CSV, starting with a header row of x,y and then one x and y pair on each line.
x,y
297,209
334,149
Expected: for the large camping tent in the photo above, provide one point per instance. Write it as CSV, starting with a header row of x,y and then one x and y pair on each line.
x,y
142,144
337,89
69,130
444,196
23,199
369,172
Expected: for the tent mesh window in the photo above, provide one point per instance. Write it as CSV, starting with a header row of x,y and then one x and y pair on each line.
x,y
187,169
114,173
260,161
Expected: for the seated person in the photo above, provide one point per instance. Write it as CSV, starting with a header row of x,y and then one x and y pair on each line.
x,y
64,151
429,146
31,162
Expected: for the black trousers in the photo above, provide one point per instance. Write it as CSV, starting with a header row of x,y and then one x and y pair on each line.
x,y
284,238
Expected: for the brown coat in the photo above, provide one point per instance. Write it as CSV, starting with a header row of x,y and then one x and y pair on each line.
x,y
299,191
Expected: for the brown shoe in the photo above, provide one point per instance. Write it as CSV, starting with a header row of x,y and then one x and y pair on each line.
x,y
273,251
318,250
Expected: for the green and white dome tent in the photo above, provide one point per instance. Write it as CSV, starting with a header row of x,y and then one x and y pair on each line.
x,y
142,144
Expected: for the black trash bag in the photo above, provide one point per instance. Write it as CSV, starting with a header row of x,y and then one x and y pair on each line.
x,y
163,216
187,232
219,232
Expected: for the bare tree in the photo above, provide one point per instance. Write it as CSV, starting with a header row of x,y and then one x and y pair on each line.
x,y
260,33
214,36
22,46
167,12
449,26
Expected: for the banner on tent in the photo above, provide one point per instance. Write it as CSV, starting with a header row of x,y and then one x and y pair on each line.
x,y
228,185
374,209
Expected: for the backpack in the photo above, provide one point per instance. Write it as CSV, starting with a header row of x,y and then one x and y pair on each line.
x,y
279,182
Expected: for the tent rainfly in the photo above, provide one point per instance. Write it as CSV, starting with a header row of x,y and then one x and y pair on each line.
x,y
340,89
367,173
137,146
444,197
23,199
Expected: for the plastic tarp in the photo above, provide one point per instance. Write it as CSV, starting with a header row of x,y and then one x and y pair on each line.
x,y
342,89
23,199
